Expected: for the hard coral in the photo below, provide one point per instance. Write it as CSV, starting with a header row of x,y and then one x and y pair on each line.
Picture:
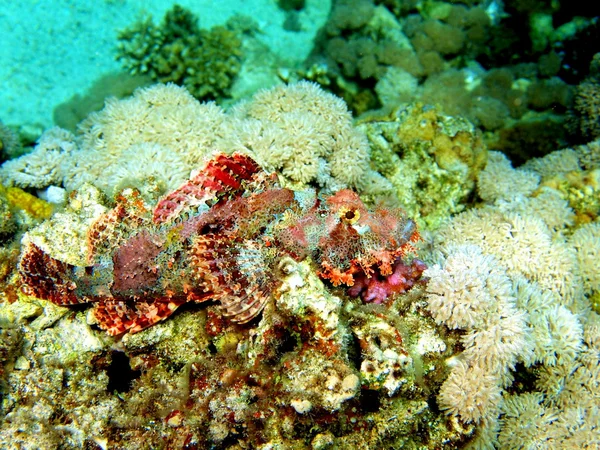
x,y
220,236
205,61
432,160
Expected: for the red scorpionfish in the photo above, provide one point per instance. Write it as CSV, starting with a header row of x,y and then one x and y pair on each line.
x,y
220,237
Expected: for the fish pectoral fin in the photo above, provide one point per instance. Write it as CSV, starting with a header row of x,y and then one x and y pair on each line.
x,y
120,316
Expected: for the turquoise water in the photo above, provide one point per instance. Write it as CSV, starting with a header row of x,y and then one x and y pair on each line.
x,y
52,50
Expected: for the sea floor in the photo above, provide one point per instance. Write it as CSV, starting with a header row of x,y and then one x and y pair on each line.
x,y
51,50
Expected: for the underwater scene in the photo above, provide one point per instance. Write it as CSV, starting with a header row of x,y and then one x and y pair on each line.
x,y
299,224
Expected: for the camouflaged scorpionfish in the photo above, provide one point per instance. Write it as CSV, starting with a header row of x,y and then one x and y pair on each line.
x,y
219,237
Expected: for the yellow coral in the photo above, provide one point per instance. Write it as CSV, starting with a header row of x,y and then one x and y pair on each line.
x,y
35,207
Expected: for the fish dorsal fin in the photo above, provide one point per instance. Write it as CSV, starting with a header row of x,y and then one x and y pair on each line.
x,y
223,174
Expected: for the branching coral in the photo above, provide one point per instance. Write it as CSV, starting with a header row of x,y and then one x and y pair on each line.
x,y
204,61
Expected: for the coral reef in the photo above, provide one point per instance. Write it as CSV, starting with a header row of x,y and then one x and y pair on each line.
x,y
278,235
204,61
299,130
431,160
498,349
200,379
499,65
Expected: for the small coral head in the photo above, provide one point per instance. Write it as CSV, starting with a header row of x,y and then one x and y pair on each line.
x,y
378,289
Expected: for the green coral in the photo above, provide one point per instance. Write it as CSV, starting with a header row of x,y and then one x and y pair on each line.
x,y
10,145
204,61
431,160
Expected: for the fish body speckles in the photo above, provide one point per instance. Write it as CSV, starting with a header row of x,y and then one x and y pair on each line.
x,y
220,237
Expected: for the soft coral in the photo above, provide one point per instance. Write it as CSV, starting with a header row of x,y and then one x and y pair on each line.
x,y
377,288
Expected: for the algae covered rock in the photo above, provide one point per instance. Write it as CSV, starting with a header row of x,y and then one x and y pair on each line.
x,y
432,160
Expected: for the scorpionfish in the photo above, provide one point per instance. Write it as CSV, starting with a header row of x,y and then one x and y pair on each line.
x,y
221,237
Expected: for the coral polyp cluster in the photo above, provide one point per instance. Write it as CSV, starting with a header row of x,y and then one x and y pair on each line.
x,y
221,236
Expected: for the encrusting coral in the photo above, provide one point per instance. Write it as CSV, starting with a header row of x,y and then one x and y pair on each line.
x,y
431,160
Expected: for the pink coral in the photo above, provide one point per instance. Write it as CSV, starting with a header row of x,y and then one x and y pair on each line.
x,y
378,288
